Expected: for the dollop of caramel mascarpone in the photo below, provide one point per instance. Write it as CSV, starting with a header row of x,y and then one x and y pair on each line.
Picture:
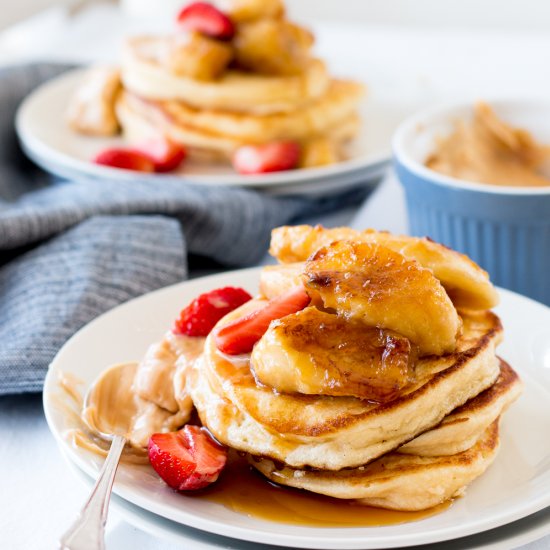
x,y
487,150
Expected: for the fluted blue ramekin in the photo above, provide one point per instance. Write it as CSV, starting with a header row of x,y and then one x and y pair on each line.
x,y
504,229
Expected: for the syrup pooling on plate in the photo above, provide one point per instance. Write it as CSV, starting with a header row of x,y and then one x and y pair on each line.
x,y
244,491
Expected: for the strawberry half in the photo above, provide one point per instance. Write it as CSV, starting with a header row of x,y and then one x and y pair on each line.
x,y
165,154
271,157
125,158
206,19
188,459
200,316
240,335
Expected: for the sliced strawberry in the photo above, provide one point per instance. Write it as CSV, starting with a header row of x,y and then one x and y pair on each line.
x,y
240,335
165,154
271,157
125,158
188,459
200,316
206,19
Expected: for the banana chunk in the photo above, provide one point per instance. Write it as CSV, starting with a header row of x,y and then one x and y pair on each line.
x,y
314,352
273,47
370,283
196,56
466,283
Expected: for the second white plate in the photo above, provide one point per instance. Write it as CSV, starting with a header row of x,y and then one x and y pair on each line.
x,y
46,138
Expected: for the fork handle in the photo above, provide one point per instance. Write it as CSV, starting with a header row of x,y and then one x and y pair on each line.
x,y
88,530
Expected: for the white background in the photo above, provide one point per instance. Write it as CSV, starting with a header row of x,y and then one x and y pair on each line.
x,y
38,495
513,14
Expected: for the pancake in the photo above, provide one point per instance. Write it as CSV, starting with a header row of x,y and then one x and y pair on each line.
x,y
395,481
144,74
464,426
141,119
339,432
466,283
317,117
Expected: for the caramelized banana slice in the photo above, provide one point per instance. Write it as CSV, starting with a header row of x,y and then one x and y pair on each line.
x,y
296,243
197,56
318,353
272,46
466,283
371,283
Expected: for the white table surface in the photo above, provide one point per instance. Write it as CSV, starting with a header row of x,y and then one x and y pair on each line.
x,y
39,496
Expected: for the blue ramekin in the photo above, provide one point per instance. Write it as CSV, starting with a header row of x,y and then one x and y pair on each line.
x,y
504,229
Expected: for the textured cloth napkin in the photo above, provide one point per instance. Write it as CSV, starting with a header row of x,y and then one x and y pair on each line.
x,y
70,250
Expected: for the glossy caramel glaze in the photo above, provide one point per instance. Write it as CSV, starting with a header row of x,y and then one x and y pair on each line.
x,y
315,352
466,283
373,284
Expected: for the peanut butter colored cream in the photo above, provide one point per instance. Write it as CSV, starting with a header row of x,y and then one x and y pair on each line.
x,y
487,150
113,407
139,399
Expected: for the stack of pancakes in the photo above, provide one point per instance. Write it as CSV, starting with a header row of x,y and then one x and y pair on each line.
x,y
386,389
214,96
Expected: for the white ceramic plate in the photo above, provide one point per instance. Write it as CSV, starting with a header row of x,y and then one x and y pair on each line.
x,y
46,138
517,485
512,535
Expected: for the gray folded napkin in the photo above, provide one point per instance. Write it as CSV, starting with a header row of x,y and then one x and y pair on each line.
x,y
71,250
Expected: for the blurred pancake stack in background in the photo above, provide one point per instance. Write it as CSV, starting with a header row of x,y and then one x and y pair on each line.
x,y
235,74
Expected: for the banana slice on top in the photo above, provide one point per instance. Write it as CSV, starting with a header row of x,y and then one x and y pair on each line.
x,y
466,283
373,284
